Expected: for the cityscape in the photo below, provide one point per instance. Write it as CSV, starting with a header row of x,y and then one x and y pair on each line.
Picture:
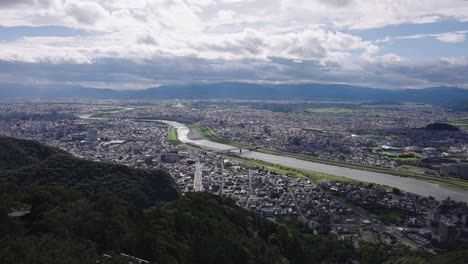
x,y
345,134
233,132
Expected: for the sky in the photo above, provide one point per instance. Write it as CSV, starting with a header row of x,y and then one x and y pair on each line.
x,y
135,44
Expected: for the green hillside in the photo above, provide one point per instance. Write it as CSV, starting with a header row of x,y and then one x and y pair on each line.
x,y
15,153
27,163
441,127
65,227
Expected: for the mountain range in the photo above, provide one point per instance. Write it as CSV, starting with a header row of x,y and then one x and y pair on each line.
x,y
231,90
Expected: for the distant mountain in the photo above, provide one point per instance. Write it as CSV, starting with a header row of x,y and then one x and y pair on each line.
x,y
461,105
207,91
312,91
10,91
27,163
382,103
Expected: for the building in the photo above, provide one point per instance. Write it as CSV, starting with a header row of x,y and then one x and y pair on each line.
x,y
414,149
455,169
168,157
148,159
447,233
390,149
431,152
92,135
433,218
464,220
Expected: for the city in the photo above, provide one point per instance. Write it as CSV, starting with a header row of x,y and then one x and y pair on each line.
x,y
233,131
128,133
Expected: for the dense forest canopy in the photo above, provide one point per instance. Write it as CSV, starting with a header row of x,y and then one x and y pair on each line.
x,y
66,227
441,127
16,153
27,163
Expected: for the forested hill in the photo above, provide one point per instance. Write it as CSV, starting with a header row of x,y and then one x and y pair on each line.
x,y
28,163
96,209
65,227
16,153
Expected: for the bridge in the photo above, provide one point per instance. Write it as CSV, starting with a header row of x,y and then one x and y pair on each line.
x,y
235,150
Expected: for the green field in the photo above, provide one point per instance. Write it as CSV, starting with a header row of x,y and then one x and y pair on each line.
x,y
328,111
106,113
335,163
402,173
313,176
113,109
459,123
410,241
102,115
208,133
173,136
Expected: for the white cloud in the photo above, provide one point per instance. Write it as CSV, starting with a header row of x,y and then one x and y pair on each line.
x,y
451,37
342,13
87,13
306,44
312,32
448,37
363,14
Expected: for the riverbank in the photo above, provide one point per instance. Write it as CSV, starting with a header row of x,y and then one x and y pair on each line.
x,y
173,136
211,135
285,170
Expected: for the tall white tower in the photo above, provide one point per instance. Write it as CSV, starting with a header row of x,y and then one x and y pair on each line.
x,y
197,181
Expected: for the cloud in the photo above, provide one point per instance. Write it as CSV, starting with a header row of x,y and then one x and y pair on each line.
x,y
451,37
366,14
337,3
22,3
305,44
87,13
147,39
255,40
10,3
387,71
447,37
357,14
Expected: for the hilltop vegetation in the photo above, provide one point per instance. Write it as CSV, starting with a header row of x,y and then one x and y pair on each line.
x,y
15,153
441,127
27,163
65,227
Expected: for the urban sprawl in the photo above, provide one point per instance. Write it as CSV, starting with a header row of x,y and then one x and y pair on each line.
x,y
382,136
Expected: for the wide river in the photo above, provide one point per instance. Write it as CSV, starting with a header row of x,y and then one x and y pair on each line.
x,y
420,187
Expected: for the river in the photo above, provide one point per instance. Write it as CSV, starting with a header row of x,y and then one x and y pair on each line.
x,y
92,117
420,187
